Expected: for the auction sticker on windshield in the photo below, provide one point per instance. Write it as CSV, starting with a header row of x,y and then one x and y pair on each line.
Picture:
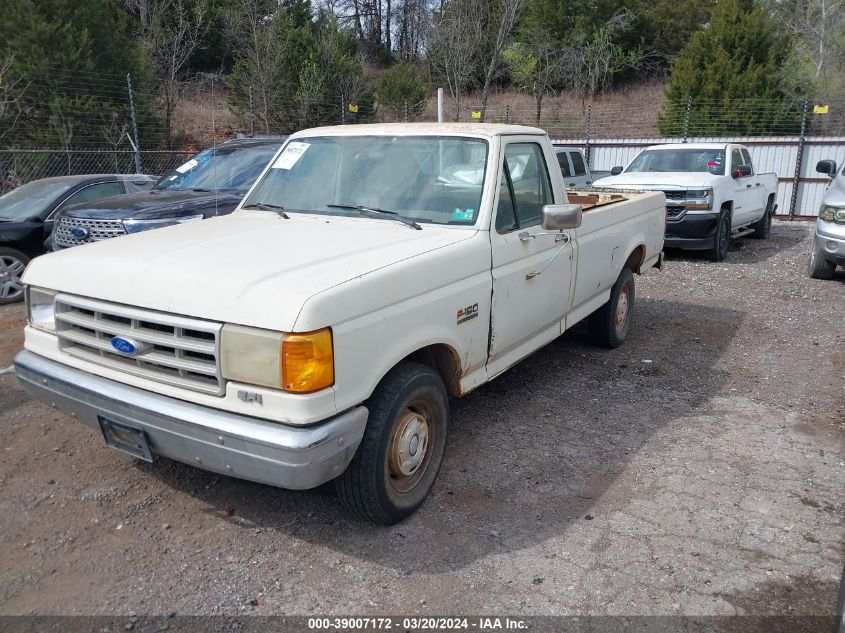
x,y
187,166
290,155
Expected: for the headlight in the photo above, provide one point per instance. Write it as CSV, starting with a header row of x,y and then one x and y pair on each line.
x,y
40,308
699,199
136,226
832,214
299,363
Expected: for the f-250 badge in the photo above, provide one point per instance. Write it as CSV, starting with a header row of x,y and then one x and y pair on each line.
x,y
465,314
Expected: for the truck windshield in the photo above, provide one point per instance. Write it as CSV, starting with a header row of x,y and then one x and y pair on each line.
x,y
220,169
430,179
688,160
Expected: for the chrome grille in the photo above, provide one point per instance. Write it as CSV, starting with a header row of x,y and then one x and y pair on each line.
x,y
676,195
97,230
175,350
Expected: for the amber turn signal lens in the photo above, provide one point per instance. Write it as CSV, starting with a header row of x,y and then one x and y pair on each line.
x,y
307,361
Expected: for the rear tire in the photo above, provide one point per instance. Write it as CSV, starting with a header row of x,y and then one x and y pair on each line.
x,y
722,238
763,226
608,326
817,266
399,457
12,265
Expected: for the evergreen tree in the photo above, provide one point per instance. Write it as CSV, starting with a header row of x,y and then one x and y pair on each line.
x,y
733,73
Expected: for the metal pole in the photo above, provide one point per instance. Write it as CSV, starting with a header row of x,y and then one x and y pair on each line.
x,y
686,118
799,161
589,132
251,114
507,113
440,105
342,110
137,145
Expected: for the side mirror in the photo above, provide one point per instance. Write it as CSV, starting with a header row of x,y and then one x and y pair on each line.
x,y
616,171
559,217
826,167
743,171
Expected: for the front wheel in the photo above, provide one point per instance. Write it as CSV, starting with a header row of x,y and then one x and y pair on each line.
x,y
12,265
400,454
608,326
818,267
722,238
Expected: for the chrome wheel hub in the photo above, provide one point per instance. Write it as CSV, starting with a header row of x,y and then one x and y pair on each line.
x,y
11,270
409,445
621,310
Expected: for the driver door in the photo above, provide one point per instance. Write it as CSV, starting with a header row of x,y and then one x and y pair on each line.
x,y
532,272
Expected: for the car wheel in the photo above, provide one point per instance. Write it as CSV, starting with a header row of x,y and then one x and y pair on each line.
x,y
399,457
608,326
722,238
818,267
12,265
763,226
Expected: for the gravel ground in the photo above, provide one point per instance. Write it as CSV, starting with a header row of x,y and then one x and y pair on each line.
x,y
695,470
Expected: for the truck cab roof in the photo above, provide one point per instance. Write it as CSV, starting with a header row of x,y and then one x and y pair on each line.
x,y
488,130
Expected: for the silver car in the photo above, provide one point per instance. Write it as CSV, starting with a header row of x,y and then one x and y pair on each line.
x,y
828,250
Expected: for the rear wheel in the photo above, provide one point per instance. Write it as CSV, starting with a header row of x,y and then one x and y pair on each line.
x,y
608,326
12,265
817,266
763,226
402,449
722,238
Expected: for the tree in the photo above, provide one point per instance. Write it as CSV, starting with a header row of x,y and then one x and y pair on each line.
x,y
455,45
538,65
401,92
732,72
603,57
500,21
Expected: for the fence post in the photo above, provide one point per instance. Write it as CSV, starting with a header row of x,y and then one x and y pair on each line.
x,y
799,161
507,113
686,118
589,132
342,109
251,114
136,146
440,105
405,111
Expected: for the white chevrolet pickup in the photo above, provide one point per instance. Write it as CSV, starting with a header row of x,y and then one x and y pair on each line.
x,y
712,192
316,333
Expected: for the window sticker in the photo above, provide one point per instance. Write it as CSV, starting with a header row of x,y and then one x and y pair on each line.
x,y
187,166
463,215
290,155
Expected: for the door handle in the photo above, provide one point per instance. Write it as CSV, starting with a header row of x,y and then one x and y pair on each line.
x,y
524,236
563,237
759,184
571,184
748,186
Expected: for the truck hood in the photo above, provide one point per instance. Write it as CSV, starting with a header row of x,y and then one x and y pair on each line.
x,y
662,180
251,268
152,205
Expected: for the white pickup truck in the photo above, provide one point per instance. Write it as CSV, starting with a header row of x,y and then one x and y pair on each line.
x,y
316,333
712,193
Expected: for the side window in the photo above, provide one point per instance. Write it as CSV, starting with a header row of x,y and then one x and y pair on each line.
x,y
736,158
578,164
94,192
746,157
529,180
505,214
563,161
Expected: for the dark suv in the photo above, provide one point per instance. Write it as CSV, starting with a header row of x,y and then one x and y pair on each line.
x,y
209,184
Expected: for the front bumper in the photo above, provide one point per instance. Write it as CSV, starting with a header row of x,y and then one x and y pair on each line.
x,y
830,241
250,448
692,231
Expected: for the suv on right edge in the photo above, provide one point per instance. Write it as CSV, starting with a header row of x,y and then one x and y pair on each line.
x,y
828,249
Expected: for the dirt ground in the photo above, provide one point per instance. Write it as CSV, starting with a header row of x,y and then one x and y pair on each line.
x,y
698,469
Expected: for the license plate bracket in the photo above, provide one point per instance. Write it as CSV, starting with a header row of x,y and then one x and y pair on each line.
x,y
126,438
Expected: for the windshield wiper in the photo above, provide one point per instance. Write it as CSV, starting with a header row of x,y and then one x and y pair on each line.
x,y
378,213
266,206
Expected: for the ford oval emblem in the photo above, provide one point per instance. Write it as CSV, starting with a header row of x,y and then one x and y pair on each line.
x,y
124,346
80,232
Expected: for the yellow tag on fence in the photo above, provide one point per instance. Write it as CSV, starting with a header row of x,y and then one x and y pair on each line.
x,y
476,114
821,109
353,107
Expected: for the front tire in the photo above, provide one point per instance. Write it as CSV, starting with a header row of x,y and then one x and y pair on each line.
x,y
402,450
12,265
722,238
817,266
763,226
608,326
